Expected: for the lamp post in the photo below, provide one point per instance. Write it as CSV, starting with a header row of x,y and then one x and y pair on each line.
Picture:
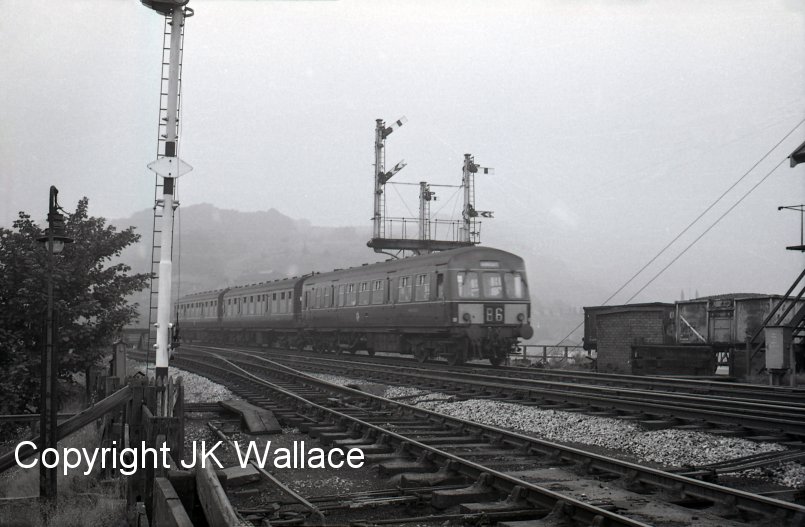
x,y
54,240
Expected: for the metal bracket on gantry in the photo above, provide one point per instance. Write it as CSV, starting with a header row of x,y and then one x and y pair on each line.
x,y
407,234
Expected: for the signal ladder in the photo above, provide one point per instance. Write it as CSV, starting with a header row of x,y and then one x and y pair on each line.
x,y
473,213
162,134
381,204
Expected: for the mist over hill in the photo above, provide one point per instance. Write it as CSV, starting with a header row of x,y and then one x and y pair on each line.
x,y
216,248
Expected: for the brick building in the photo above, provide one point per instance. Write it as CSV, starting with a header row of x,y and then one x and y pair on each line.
x,y
619,328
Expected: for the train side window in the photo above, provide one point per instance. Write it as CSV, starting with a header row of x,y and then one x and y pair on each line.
x,y
328,296
364,294
377,292
514,285
404,289
467,282
341,295
493,285
352,297
422,288
439,286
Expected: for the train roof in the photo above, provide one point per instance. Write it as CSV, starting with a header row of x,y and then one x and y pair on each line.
x,y
460,257
280,284
454,258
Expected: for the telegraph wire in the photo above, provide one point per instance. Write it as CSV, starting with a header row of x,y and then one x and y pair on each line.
x,y
691,244
705,211
692,223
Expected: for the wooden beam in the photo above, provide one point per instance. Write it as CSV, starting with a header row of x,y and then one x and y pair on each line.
x,y
213,499
168,508
80,420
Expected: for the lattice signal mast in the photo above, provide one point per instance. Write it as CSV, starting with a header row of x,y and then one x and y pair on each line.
x,y
471,232
381,176
167,166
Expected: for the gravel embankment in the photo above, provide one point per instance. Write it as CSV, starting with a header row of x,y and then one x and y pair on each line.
x,y
668,448
197,389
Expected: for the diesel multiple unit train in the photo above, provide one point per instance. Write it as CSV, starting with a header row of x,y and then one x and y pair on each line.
x,y
463,304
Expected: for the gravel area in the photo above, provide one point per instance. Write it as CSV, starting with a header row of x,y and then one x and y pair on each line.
x,y
197,389
668,447
334,379
789,474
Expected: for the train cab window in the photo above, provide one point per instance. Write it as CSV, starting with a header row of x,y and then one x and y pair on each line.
x,y
493,285
514,285
439,286
422,288
467,282
404,289
364,294
377,292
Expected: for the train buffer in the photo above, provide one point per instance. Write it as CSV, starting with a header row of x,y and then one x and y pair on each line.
x,y
257,420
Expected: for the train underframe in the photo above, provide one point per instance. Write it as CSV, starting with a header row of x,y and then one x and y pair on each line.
x,y
455,345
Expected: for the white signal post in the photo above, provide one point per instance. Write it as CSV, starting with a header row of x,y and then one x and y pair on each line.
x,y
169,168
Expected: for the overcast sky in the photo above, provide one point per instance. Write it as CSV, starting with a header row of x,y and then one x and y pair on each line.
x,y
611,125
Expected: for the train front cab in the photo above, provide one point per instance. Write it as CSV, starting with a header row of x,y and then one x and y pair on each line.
x,y
490,306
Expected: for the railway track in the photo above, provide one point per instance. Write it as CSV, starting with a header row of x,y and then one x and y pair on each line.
x,y
490,469
772,394
748,415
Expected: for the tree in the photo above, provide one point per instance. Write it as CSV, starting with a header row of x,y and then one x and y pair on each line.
x,y
89,289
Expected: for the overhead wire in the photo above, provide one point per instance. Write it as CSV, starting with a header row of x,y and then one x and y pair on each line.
x,y
402,199
708,229
705,211
692,223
